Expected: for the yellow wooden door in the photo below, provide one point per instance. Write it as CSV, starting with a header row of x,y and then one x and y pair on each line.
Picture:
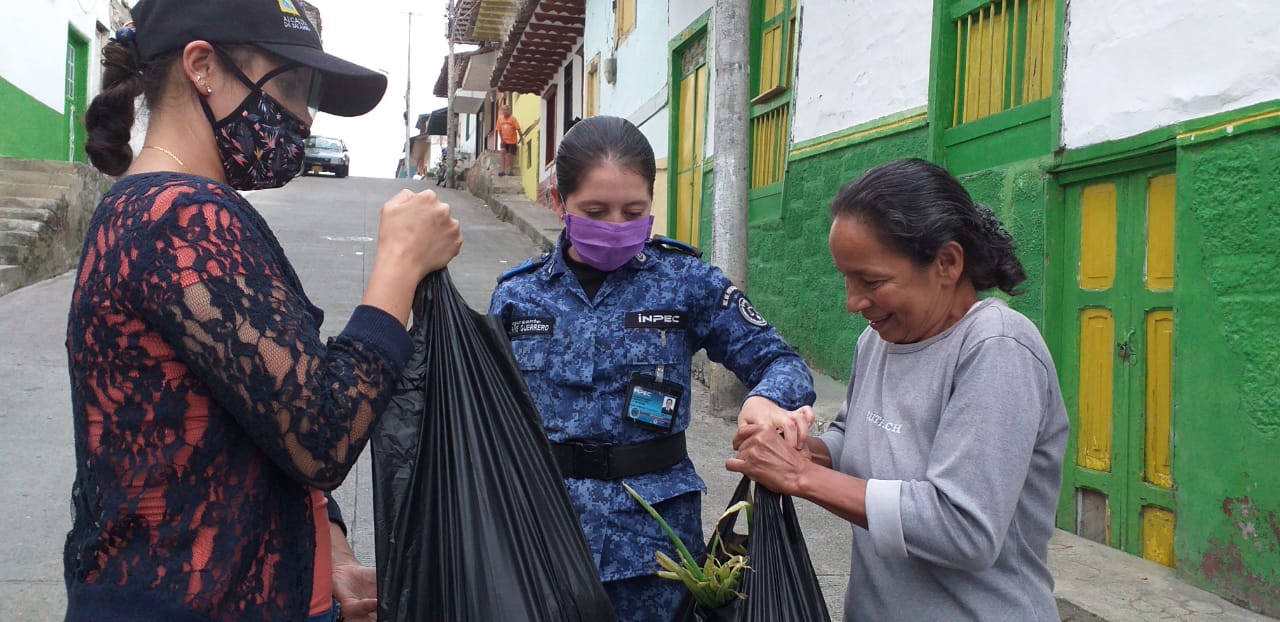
x,y
691,126
1118,484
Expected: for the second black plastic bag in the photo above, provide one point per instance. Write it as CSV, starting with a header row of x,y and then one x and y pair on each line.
x,y
781,585
471,517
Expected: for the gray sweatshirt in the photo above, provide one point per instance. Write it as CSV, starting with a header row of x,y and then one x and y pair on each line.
x,y
961,438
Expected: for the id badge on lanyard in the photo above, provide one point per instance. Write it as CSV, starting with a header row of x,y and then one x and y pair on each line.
x,y
652,402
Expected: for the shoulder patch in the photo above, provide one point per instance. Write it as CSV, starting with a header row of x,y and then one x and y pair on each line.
x,y
734,297
675,245
529,265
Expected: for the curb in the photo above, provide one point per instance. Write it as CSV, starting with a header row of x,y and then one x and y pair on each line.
x,y
500,208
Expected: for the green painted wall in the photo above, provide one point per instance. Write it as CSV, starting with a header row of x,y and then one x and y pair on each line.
x,y
1017,193
31,130
1227,392
792,279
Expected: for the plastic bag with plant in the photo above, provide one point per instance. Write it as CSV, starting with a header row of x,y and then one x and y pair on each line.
x,y
713,584
779,586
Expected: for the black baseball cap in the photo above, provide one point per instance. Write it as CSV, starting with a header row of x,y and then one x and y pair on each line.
x,y
277,26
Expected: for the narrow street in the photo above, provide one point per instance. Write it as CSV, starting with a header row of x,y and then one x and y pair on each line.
x,y
329,229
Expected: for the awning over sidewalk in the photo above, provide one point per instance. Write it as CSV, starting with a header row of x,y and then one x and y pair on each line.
x,y
485,21
534,38
474,69
544,34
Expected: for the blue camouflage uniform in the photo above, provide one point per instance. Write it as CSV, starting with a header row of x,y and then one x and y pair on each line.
x,y
577,356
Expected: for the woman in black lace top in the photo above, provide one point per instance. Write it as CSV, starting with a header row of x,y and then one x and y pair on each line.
x,y
208,414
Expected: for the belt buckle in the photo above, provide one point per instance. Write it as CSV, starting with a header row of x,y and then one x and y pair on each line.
x,y
592,458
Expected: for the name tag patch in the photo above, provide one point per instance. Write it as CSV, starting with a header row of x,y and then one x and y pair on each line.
x,y
666,320
529,326
726,297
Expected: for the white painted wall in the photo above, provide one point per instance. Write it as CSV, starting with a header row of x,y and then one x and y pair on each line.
x,y
33,49
657,128
860,60
1139,65
684,12
639,92
466,128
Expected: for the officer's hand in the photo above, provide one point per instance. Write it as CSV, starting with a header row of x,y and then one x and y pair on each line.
x,y
792,424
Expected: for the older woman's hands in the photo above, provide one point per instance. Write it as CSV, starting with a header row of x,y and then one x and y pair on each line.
x,y
792,424
769,459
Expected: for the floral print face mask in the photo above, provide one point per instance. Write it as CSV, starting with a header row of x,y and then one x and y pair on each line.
x,y
261,144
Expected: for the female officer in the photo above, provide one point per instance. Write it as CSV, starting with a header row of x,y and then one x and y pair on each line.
x,y
208,412
947,454
604,329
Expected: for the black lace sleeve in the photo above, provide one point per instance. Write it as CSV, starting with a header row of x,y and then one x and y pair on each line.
x,y
220,294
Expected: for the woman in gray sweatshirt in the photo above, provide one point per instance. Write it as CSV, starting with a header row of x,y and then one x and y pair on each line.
x,y
947,453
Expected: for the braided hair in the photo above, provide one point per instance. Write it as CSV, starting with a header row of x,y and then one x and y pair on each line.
x,y
109,119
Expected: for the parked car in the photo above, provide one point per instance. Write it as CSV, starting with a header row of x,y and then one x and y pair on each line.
x,y
328,155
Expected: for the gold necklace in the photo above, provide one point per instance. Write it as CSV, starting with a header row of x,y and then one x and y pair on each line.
x,y
166,152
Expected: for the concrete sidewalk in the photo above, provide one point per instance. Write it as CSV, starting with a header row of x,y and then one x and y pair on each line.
x,y
1093,582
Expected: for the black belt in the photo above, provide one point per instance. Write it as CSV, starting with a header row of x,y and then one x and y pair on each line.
x,y
603,461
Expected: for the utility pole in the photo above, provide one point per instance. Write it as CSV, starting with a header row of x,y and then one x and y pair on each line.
x,y
451,157
729,216
408,80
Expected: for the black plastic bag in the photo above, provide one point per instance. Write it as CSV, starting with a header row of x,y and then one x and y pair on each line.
x,y
471,517
781,585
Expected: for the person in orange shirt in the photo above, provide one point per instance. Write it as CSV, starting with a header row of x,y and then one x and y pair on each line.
x,y
509,133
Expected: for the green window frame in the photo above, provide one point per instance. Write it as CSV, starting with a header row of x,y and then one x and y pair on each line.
x,y
996,70
772,41
1004,56
773,29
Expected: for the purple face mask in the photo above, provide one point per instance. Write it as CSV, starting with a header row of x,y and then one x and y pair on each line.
x,y
607,246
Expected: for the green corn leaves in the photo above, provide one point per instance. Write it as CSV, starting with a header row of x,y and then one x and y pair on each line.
x,y
714,583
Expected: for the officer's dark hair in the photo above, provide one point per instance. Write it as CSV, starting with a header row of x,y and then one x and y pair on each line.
x,y
596,140
109,119
917,207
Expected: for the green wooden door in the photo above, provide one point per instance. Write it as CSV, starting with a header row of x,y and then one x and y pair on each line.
x,y
1117,377
77,77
